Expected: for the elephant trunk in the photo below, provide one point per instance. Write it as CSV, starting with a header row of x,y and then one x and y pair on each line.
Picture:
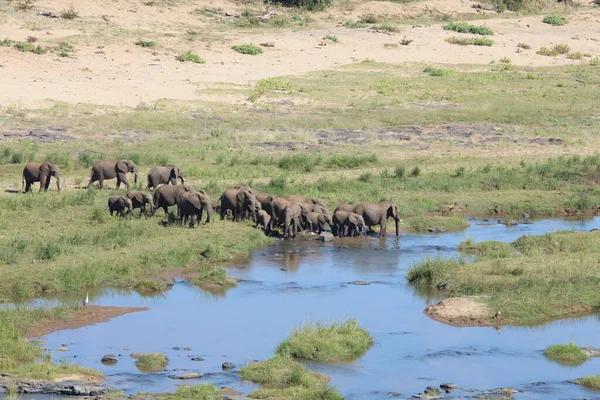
x,y
397,221
182,181
135,177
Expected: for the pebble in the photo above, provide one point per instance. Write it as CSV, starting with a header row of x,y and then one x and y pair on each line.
x,y
62,348
448,386
109,359
176,348
187,348
188,375
326,237
360,283
227,365
197,359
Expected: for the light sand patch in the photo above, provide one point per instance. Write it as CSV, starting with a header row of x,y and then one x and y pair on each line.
x,y
462,311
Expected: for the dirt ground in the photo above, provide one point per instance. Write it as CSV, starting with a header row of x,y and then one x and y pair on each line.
x,y
462,312
85,316
107,68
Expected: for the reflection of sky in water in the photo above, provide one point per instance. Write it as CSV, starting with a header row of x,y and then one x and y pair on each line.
x,y
292,282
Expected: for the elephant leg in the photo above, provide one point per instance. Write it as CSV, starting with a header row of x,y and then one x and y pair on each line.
x,y
382,228
47,185
124,180
27,187
100,183
118,181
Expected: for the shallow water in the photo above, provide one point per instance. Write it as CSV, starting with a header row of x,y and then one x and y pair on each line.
x,y
295,281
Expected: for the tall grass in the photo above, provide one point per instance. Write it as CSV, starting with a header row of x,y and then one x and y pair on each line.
x,y
566,353
151,362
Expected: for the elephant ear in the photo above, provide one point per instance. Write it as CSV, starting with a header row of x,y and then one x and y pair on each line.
x,y
139,196
122,166
45,168
179,172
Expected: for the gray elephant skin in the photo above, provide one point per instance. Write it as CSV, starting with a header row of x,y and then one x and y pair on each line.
x,y
122,205
167,195
263,219
375,214
140,199
111,169
240,202
346,222
192,205
162,175
316,221
42,173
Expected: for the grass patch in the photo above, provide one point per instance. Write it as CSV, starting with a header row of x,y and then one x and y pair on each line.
x,y
386,27
214,276
188,56
320,341
308,5
566,353
354,24
555,50
463,27
592,382
558,242
283,378
431,270
487,249
433,71
205,391
250,49
478,41
146,43
151,362
69,13
30,48
47,370
556,20
333,38
424,222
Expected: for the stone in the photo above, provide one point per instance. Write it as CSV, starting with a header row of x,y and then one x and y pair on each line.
x,y
135,355
187,348
360,283
197,359
326,237
591,351
229,391
109,359
176,348
187,375
436,230
62,348
227,365
448,386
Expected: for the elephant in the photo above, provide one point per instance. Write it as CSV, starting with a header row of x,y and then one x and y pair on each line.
x,y
111,169
378,214
240,202
317,220
120,204
168,195
290,214
263,219
308,201
42,173
266,201
346,222
168,174
140,199
193,204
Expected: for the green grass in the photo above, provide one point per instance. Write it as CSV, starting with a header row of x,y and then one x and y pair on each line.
x,y
47,370
247,49
283,378
592,382
188,56
556,20
354,24
214,276
555,50
151,362
463,27
333,38
487,249
321,341
146,43
478,41
205,391
537,286
424,222
566,353
30,48
433,71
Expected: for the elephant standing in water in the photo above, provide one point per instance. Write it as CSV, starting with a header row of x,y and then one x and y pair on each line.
x,y
168,195
120,205
163,175
111,169
193,204
42,173
346,222
140,199
375,214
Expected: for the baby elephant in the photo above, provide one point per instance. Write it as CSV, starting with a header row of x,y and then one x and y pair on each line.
x,y
263,219
120,204
317,220
345,222
139,200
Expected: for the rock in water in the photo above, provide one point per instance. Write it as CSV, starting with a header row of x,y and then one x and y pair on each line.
x,y
326,237
227,366
448,386
109,359
62,348
436,230
188,375
360,283
197,359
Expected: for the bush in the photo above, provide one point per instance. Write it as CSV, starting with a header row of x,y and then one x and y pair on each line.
x,y
556,20
247,49
29,48
352,24
405,41
567,353
339,341
145,43
69,13
332,38
309,5
369,19
478,41
592,382
399,171
482,42
280,21
191,57
432,71
431,270
416,171
386,27
151,362
467,28
554,51
6,42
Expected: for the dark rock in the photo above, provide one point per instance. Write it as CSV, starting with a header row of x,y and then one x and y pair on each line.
x,y
448,386
432,391
436,230
176,348
197,359
360,283
227,366
187,375
326,237
109,359
7,374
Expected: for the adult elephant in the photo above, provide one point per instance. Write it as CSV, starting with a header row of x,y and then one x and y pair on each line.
x,y
378,214
140,199
120,205
42,173
310,202
111,169
266,204
346,222
161,175
238,202
290,215
193,204
167,195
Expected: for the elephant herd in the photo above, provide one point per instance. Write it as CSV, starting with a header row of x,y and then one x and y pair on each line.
x,y
291,213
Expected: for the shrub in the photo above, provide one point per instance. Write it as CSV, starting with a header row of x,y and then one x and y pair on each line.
x,y
386,27
29,48
191,57
69,13
399,171
479,41
432,71
369,19
339,341
575,55
309,5
431,270
48,251
457,40
405,41
280,21
151,362
416,171
145,43
26,5
247,49
467,28
333,38
6,42
352,24
556,20
567,353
